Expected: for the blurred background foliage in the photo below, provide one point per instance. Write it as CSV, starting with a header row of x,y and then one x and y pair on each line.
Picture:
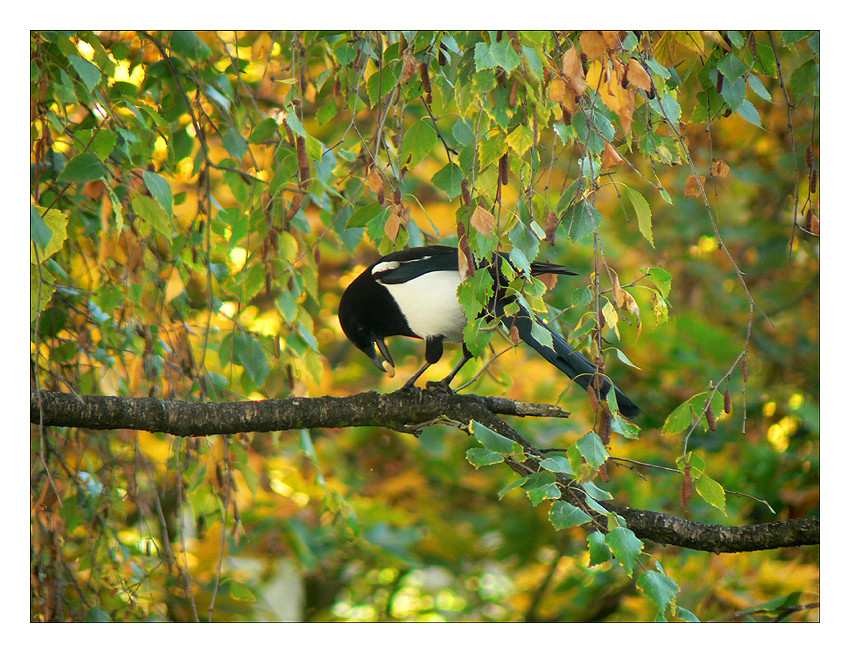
x,y
200,200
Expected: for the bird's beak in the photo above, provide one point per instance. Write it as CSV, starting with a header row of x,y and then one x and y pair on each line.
x,y
386,364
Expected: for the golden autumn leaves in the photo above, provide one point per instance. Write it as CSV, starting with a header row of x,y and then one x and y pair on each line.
x,y
615,81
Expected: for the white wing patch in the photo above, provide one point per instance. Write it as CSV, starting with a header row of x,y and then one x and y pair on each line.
x,y
429,302
386,266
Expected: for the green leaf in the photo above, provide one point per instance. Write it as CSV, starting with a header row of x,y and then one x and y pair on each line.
x,y
151,212
462,132
419,140
642,211
510,486
479,457
583,219
758,86
244,350
483,56
660,588
525,246
88,72
492,440
40,233
748,111
557,464
662,280
792,36
731,67
711,491
363,215
592,449
541,486
235,144
668,107
503,55
491,150
97,615
678,420
82,168
686,615
520,139
448,179
595,492
565,515
803,80
598,549
241,592
266,129
160,189
625,547
295,124
189,45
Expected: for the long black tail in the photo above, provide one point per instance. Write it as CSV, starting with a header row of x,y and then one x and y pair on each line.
x,y
563,356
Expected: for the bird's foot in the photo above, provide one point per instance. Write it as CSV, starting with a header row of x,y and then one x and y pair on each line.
x,y
440,386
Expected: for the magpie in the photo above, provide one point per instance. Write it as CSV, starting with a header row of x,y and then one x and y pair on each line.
x,y
413,293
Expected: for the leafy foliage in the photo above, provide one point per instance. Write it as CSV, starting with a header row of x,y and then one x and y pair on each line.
x,y
199,201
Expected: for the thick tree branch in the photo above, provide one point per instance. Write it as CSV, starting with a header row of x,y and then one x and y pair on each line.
x,y
404,410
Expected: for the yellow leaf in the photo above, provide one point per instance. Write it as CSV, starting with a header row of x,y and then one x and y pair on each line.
x,y
174,286
611,317
557,89
57,221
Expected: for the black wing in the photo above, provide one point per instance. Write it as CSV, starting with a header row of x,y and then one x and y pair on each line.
x,y
414,262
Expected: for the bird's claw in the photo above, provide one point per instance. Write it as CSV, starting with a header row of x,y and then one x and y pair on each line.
x,y
439,386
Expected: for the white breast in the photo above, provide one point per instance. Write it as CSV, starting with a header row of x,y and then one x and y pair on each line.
x,y
430,304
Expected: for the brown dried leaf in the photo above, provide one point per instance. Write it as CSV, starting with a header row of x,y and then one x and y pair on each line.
x,y
638,77
603,472
630,304
393,224
410,67
573,70
610,157
549,280
482,221
719,168
693,186
593,44
375,181
614,40
618,290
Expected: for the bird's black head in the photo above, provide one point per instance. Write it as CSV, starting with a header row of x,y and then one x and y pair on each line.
x,y
358,312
